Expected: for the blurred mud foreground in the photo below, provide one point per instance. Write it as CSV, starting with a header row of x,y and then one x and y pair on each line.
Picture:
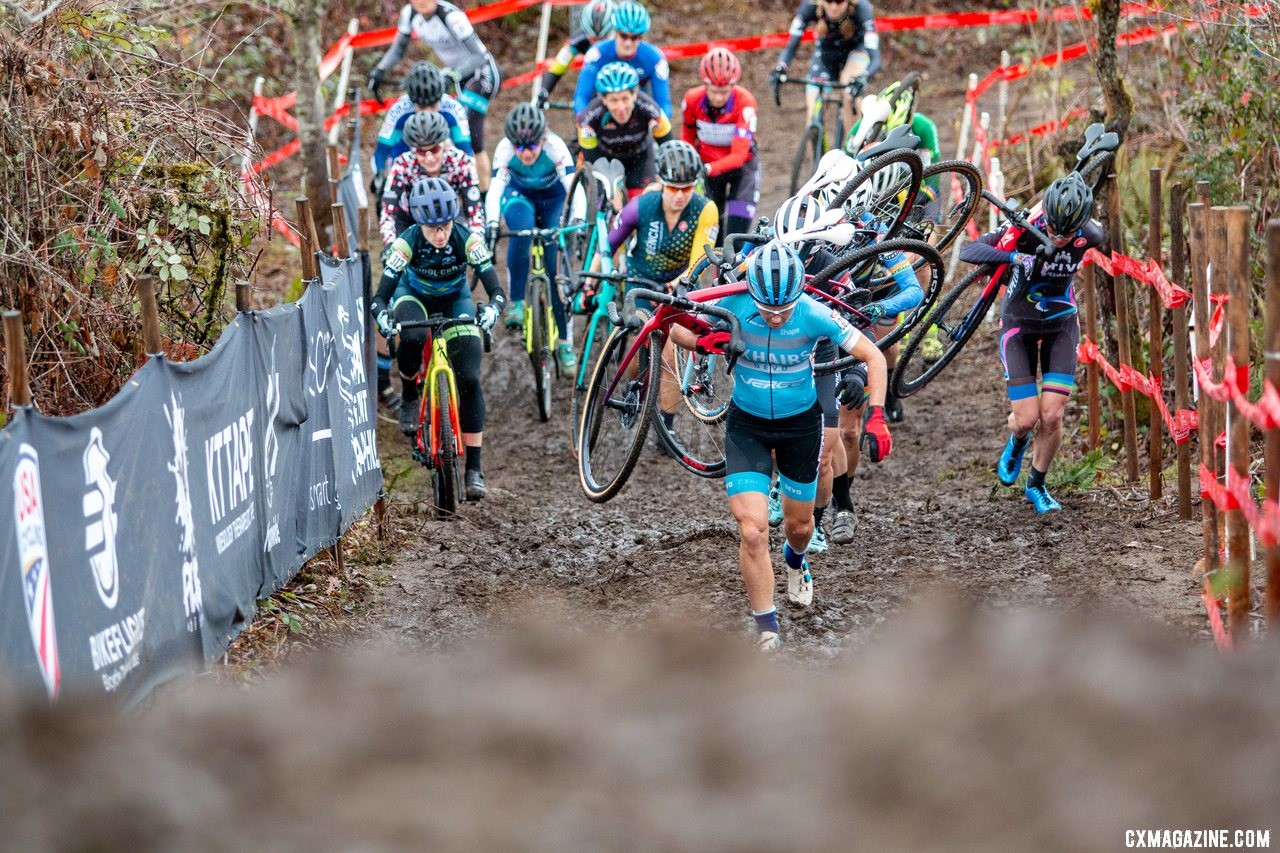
x,y
955,728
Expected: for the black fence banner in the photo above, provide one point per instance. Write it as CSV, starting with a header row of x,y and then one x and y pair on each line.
x,y
136,539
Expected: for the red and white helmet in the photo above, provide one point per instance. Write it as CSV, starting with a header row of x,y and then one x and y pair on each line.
x,y
720,67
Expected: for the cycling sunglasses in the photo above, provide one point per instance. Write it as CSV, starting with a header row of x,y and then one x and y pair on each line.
x,y
770,311
428,149
679,188
532,146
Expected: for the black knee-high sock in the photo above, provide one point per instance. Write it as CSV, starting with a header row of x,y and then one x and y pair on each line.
x,y
840,492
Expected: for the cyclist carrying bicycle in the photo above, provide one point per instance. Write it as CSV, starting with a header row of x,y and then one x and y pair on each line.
x,y
424,92
532,172
847,46
774,414
630,23
429,156
720,121
446,29
425,274
622,122
1039,326
596,23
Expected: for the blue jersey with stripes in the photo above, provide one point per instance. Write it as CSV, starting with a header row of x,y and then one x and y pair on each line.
x,y
391,143
774,377
648,61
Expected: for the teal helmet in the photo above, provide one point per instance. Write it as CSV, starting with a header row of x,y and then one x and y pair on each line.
x,y
617,77
631,18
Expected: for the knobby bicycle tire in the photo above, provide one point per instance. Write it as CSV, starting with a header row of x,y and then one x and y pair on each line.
x,y
696,437
1095,169
539,352
954,320
891,208
577,402
808,151
613,431
577,242
930,285
952,216
444,474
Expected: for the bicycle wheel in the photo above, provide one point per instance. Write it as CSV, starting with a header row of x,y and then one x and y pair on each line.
x,y
445,482
539,308
695,436
588,346
890,206
1096,168
615,420
806,158
949,194
953,321
576,242
929,268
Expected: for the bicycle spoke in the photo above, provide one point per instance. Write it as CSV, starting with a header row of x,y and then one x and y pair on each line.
x,y
614,423
693,401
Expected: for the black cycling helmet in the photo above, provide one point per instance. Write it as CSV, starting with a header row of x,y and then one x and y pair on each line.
x,y
678,162
424,84
433,202
425,129
1067,204
525,125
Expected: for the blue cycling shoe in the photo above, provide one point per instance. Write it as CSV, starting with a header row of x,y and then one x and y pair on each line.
x,y
1010,464
1041,499
775,502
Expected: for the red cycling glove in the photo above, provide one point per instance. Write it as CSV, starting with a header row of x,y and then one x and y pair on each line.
x,y
876,441
712,343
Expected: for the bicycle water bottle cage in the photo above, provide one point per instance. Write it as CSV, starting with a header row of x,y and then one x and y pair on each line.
x,y
1095,140
899,137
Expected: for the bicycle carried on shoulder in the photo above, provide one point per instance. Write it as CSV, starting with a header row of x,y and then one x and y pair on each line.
x,y
622,397
958,313
437,443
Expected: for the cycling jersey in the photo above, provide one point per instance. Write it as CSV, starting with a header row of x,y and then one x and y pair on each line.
x,y
390,142
725,137
648,61
599,131
774,376
1047,295
415,266
448,32
554,165
662,253
835,39
457,168
577,45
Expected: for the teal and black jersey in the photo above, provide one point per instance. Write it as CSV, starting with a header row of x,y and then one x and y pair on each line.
x,y
414,264
774,377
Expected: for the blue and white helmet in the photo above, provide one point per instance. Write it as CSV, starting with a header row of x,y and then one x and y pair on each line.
x,y
597,19
617,77
775,275
631,18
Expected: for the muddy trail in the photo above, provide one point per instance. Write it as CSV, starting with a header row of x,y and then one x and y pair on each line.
x,y
933,514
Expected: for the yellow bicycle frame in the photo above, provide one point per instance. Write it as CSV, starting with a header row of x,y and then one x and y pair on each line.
x,y
439,364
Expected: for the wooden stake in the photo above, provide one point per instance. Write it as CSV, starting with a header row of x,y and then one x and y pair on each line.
x,y
1205,434
1219,275
244,296
1181,353
150,315
1238,534
310,242
1122,333
1155,430
335,168
1272,354
1091,369
15,360
341,240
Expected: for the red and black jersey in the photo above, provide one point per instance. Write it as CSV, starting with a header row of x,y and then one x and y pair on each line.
x,y
725,137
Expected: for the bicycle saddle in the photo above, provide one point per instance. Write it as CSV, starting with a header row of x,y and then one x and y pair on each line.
x,y
899,137
835,167
1097,138
610,171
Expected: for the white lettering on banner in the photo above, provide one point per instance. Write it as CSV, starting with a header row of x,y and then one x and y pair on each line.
x,y
111,644
271,453
353,387
101,522
1197,838
192,600
318,362
33,565
321,494
229,464
233,531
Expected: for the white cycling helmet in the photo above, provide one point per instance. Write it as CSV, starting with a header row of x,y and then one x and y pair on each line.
x,y
795,214
877,187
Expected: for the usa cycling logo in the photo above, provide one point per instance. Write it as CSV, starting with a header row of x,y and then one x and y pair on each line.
x,y
100,521
33,562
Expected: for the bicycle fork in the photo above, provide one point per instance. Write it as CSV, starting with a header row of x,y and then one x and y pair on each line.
x,y
440,365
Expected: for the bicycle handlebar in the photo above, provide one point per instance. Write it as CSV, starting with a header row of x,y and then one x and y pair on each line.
x,y
439,323
731,241
1019,217
737,346
854,87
